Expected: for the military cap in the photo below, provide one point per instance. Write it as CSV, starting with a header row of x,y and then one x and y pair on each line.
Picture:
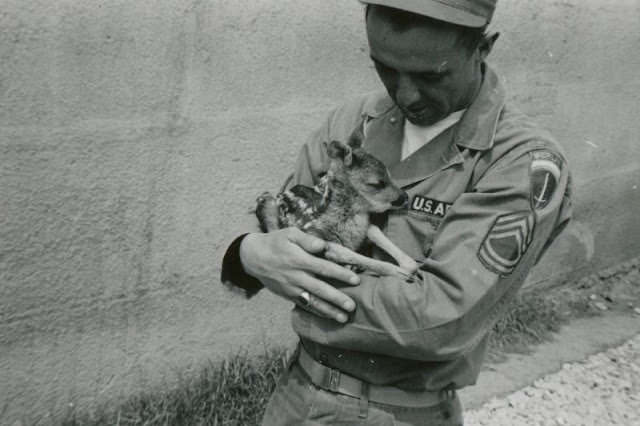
x,y
468,13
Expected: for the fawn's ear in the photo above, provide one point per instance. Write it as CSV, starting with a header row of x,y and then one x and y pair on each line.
x,y
357,136
338,150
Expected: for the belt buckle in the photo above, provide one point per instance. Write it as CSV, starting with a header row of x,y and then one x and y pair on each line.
x,y
334,380
447,394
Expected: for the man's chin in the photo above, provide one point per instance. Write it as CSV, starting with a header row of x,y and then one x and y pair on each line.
x,y
422,119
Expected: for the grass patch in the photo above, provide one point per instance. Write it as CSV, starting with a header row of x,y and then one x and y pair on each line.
x,y
235,392
535,316
531,320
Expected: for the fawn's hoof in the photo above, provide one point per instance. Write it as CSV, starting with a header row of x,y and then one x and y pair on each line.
x,y
264,197
411,279
265,203
357,269
267,212
412,271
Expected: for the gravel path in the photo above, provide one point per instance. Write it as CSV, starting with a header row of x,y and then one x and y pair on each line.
x,y
600,391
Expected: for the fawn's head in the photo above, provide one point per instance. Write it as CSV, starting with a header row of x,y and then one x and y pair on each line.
x,y
351,165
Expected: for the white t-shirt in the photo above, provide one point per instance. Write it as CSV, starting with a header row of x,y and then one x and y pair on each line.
x,y
415,137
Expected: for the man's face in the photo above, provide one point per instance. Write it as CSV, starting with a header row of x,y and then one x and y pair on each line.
x,y
426,70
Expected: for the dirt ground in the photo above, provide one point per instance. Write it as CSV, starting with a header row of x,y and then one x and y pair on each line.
x,y
603,389
607,307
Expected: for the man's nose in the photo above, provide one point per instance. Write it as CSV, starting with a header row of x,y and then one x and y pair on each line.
x,y
406,93
401,201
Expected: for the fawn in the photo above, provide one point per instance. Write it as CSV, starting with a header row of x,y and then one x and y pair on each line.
x,y
337,209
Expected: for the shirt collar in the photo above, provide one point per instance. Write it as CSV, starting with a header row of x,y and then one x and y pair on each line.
x,y
383,139
429,132
477,127
415,137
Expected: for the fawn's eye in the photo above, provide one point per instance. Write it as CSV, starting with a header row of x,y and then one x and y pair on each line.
x,y
377,184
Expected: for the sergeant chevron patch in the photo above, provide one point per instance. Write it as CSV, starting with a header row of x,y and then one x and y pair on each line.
x,y
507,241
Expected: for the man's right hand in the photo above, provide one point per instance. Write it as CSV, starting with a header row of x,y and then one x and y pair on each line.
x,y
285,262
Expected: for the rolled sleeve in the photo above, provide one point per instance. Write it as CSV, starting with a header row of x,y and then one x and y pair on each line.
x,y
233,274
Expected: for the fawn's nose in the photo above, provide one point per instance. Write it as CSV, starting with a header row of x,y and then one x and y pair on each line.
x,y
401,201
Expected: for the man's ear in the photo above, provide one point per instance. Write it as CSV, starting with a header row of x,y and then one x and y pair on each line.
x,y
486,44
340,151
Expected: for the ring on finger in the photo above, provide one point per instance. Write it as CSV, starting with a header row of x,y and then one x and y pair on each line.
x,y
304,298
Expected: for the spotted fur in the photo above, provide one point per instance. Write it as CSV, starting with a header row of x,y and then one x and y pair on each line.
x,y
337,208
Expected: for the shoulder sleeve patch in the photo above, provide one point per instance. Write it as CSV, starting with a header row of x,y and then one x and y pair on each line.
x,y
507,241
545,174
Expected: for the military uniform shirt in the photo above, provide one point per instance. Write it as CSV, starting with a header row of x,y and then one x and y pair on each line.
x,y
480,216
486,197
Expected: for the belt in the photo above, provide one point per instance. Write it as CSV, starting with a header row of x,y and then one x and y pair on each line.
x,y
335,381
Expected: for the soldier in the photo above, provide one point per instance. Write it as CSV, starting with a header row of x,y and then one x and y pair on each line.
x,y
488,192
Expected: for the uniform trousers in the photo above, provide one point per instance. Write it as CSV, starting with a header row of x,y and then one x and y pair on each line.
x,y
297,401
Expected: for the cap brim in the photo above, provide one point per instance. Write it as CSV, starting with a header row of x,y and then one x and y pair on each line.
x,y
434,9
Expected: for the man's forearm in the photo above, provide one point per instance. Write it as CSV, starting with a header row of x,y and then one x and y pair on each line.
x,y
430,320
484,250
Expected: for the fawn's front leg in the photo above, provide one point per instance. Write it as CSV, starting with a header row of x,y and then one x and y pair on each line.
x,y
342,255
376,236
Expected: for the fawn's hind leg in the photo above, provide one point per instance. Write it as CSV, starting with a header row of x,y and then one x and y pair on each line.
x,y
375,235
342,255
267,212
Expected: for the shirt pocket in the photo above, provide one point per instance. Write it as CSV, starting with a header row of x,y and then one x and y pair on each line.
x,y
414,230
425,215
425,228
412,233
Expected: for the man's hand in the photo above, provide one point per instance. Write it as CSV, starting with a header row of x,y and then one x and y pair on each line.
x,y
284,262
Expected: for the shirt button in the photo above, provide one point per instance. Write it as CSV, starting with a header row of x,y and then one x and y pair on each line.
x,y
393,120
372,361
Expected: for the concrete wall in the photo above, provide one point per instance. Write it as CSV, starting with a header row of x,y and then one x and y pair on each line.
x,y
135,135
